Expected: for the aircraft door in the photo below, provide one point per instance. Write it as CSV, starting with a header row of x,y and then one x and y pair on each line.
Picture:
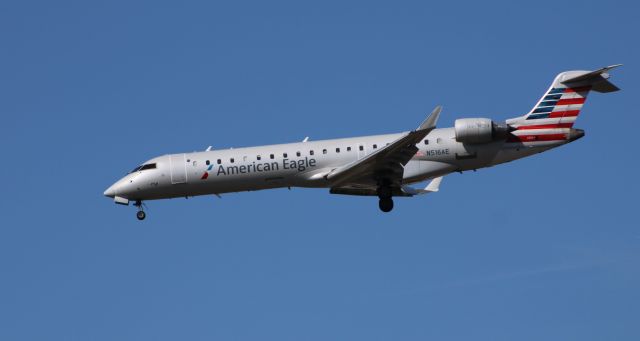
x,y
178,169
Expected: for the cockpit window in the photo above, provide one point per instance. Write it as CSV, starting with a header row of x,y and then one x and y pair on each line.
x,y
144,167
148,166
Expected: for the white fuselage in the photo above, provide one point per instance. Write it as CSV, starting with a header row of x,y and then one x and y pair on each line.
x,y
303,164
379,165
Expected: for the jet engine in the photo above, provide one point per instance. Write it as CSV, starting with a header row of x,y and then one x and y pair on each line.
x,y
480,130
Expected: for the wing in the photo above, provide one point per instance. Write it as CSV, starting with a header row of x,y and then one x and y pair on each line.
x,y
404,191
387,163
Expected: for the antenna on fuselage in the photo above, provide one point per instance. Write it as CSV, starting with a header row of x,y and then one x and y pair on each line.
x,y
209,148
306,139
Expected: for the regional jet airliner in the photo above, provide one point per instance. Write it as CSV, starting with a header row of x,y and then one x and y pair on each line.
x,y
382,166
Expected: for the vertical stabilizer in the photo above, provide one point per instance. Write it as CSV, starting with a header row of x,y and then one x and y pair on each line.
x,y
557,110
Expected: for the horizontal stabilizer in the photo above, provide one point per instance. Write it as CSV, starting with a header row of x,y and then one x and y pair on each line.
x,y
598,80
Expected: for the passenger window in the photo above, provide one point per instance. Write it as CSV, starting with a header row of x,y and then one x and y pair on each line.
x,y
311,152
375,146
258,157
348,149
231,160
219,161
361,148
284,155
297,153
207,162
337,150
271,156
324,151
426,141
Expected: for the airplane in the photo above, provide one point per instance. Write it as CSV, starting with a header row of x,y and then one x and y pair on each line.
x,y
381,165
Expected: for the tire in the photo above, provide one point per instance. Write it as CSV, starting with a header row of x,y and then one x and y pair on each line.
x,y
386,205
141,215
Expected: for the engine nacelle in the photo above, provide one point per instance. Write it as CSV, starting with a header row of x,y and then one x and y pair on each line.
x,y
480,130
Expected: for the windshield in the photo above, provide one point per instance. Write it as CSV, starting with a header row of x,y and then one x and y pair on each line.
x,y
144,167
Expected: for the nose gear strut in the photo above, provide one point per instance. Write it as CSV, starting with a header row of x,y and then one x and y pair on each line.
x,y
140,215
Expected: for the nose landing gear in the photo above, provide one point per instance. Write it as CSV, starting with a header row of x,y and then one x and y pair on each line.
x,y
140,215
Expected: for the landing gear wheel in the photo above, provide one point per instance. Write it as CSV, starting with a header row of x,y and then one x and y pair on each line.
x,y
386,204
140,215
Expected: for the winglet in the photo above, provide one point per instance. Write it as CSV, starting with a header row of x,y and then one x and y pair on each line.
x,y
431,121
432,187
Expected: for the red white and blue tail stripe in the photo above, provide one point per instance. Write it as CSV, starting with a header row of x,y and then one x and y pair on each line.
x,y
552,118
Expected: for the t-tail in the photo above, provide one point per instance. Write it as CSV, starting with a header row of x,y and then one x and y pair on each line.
x,y
551,119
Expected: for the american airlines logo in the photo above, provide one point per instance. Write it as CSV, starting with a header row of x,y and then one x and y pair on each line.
x,y
206,173
259,167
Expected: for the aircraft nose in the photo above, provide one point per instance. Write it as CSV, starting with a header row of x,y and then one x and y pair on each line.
x,y
111,191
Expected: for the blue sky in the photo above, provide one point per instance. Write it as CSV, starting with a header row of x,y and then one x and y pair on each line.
x,y
545,248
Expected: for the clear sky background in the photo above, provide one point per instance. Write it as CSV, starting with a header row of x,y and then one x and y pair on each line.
x,y
546,248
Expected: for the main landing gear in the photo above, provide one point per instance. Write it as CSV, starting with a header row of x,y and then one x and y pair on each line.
x,y
386,202
140,215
